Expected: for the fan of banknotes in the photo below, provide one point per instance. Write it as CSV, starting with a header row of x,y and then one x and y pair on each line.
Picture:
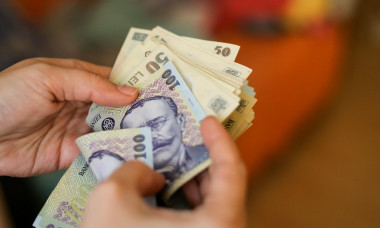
x,y
180,81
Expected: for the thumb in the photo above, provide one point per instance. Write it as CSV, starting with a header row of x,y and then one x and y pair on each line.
x,y
82,85
120,196
227,185
135,176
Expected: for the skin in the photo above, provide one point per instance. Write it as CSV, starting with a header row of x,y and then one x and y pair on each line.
x,y
166,127
43,105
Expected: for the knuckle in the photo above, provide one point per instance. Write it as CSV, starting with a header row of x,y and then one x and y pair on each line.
x,y
41,70
41,66
34,60
75,63
38,63
95,79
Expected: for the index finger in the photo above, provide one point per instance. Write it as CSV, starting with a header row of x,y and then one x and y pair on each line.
x,y
227,188
103,71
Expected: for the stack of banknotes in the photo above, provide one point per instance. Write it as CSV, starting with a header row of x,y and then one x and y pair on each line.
x,y
180,81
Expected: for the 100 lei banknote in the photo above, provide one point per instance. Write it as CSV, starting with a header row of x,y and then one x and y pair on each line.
x,y
106,151
168,107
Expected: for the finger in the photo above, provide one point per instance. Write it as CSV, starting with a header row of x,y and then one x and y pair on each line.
x,y
192,193
196,188
203,180
81,85
119,199
135,176
227,172
103,71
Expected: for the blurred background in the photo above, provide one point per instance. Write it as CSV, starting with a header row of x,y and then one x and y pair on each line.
x,y
313,152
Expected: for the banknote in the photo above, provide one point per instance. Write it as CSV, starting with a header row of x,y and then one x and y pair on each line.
x,y
138,54
65,206
144,49
214,100
101,155
225,50
248,89
135,36
228,71
168,107
236,120
138,35
107,151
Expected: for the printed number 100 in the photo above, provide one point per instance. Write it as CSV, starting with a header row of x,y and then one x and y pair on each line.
x,y
171,81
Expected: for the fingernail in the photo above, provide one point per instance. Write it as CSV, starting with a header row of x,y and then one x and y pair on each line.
x,y
127,90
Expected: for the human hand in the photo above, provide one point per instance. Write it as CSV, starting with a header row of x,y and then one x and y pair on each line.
x,y
43,105
118,202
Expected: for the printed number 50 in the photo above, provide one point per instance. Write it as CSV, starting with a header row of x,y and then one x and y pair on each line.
x,y
225,51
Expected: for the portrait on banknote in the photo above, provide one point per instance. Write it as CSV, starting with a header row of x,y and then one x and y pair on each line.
x,y
103,163
172,157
